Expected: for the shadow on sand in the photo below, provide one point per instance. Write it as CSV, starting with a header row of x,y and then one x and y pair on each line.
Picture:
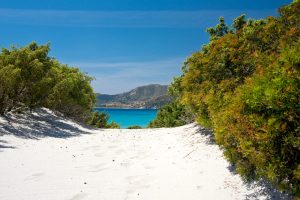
x,y
4,145
210,138
38,124
265,188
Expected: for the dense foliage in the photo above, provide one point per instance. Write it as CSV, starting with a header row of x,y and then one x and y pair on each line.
x,y
175,113
29,78
134,127
100,120
245,85
171,115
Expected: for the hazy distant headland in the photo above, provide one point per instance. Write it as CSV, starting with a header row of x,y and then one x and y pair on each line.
x,y
148,96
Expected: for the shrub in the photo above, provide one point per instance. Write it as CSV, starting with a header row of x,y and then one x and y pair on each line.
x,y
134,127
266,124
171,115
245,85
29,78
100,120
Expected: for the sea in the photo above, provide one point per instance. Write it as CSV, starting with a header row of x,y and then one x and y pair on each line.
x,y
129,117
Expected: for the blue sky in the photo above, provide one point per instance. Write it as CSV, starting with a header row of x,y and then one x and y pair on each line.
x,y
122,43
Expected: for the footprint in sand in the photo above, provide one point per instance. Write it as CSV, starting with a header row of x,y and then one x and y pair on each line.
x,y
126,163
119,151
98,154
95,147
98,168
138,182
78,196
112,146
148,167
34,176
199,187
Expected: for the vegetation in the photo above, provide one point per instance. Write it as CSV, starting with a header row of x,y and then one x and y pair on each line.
x,y
245,85
171,115
175,113
29,78
100,120
134,127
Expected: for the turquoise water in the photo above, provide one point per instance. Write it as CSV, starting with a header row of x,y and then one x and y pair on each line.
x,y
130,117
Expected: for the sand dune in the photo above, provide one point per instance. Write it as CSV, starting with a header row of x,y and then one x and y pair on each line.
x,y
44,156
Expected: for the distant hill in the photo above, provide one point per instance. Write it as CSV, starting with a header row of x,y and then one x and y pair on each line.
x,y
148,96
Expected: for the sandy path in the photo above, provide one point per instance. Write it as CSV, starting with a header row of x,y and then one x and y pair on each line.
x,y
176,163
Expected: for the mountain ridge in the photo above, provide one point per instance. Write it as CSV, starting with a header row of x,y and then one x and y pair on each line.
x,y
147,96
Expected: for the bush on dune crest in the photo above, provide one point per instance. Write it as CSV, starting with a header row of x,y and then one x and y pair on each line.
x,y
245,85
29,78
175,113
170,115
100,120
134,127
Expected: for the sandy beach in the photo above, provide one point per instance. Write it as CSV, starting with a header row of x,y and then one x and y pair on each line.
x,y
43,156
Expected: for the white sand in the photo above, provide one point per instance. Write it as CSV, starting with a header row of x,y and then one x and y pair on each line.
x,y
167,164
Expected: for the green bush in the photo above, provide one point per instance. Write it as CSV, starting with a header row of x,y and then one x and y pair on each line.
x,y
259,129
29,78
175,113
245,85
134,127
171,115
100,120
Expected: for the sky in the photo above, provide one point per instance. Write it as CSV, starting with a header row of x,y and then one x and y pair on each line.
x,y
122,43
